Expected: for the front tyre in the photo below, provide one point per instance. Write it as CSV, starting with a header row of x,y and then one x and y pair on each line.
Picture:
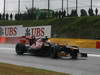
x,y
74,54
53,53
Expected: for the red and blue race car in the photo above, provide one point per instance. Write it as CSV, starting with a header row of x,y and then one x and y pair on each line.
x,y
48,49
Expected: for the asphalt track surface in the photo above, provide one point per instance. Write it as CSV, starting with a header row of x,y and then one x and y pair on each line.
x,y
82,66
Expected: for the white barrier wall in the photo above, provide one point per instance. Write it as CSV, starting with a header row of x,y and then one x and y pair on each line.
x,y
38,31
19,30
11,31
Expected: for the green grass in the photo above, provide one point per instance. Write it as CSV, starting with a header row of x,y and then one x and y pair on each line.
x,y
8,69
71,27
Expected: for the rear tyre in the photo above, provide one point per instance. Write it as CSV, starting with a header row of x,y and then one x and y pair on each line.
x,y
20,48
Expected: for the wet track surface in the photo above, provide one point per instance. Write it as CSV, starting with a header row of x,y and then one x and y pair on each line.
x,y
82,66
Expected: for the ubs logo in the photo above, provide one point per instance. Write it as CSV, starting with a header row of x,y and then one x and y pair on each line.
x,y
1,31
27,33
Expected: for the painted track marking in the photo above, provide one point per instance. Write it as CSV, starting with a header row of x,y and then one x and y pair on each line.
x,y
7,48
93,55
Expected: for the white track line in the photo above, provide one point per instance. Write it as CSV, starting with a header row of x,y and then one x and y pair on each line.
x,y
7,48
93,55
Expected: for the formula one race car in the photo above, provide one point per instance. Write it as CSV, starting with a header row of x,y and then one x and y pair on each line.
x,y
49,49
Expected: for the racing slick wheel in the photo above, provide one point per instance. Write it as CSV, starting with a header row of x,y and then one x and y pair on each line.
x,y
20,48
53,52
74,52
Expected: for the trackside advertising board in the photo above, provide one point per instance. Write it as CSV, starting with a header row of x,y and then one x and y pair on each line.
x,y
38,31
11,31
19,30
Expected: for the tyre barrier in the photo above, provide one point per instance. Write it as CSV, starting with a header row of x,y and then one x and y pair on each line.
x,y
82,43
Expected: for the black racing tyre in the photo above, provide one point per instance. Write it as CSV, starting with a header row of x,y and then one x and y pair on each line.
x,y
74,54
53,53
20,49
